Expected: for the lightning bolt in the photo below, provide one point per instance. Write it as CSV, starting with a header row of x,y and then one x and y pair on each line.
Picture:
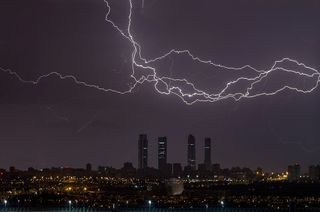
x,y
181,87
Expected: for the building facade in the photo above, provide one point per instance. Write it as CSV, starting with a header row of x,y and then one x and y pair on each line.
x,y
162,153
191,152
143,151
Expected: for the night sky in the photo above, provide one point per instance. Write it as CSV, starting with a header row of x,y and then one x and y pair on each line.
x,y
60,123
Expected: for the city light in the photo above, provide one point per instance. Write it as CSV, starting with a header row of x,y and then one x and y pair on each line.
x,y
222,203
233,141
166,191
145,179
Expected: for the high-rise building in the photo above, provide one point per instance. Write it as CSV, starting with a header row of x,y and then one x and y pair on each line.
x,y
293,172
142,151
192,152
162,153
207,154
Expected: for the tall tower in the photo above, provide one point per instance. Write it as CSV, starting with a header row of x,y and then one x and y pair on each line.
x,y
142,151
162,153
192,152
207,153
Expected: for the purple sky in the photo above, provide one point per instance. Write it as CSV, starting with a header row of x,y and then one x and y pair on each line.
x,y
59,123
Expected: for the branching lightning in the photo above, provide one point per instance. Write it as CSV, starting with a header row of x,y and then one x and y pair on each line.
x,y
176,86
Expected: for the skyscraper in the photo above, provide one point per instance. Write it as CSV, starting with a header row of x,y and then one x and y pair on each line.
x,y
142,151
162,153
207,153
192,152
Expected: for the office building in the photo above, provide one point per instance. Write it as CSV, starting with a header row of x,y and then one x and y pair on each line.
x,y
142,151
162,153
191,152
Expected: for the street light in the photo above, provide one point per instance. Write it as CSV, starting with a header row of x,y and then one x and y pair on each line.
x,y
5,202
222,203
149,203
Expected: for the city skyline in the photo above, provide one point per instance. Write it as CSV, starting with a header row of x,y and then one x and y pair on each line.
x,y
160,105
190,164
293,172
231,189
61,115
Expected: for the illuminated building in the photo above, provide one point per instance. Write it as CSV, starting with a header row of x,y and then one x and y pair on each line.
x,y
174,186
192,152
162,153
142,151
